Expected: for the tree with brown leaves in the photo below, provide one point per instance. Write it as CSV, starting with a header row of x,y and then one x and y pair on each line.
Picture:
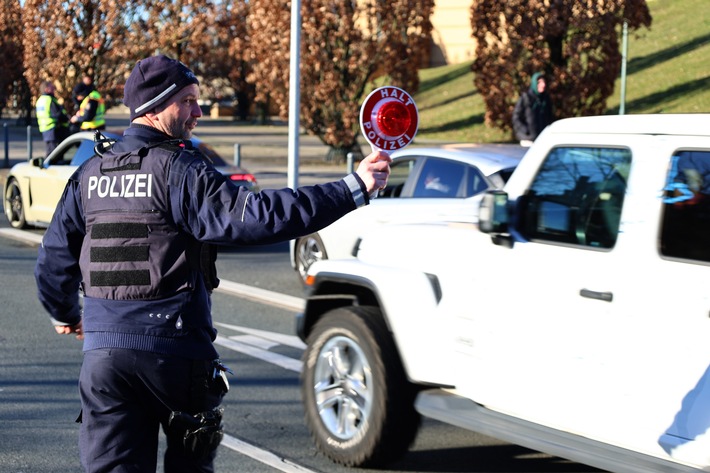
x,y
576,45
196,32
228,66
345,45
11,80
66,39
266,50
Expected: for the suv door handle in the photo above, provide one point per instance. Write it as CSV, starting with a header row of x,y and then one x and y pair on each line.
x,y
602,296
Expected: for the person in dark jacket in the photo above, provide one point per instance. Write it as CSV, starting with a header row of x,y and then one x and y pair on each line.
x,y
132,233
533,110
92,109
51,117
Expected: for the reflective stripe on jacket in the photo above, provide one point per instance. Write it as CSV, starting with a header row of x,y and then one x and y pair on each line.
x,y
99,119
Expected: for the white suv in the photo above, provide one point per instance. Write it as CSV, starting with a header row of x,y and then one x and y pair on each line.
x,y
577,324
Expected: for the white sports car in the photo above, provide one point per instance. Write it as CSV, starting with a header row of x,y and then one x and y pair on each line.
x,y
426,184
33,188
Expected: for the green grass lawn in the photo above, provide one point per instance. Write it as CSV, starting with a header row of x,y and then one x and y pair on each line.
x,y
668,71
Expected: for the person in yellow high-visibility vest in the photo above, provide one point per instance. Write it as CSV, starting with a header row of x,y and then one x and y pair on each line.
x,y
51,117
91,113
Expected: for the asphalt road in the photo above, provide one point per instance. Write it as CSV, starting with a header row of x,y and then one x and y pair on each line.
x,y
265,431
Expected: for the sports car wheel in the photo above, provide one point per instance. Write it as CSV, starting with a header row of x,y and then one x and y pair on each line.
x,y
14,210
309,249
358,402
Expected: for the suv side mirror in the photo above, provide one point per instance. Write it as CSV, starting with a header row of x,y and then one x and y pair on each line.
x,y
493,213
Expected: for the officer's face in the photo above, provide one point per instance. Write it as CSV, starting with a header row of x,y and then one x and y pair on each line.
x,y
180,115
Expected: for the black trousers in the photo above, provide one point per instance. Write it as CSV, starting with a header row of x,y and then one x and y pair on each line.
x,y
126,395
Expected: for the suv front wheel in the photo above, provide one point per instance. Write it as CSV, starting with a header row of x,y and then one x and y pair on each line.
x,y
359,404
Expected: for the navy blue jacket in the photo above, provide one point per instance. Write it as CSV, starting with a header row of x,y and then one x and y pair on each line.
x,y
204,205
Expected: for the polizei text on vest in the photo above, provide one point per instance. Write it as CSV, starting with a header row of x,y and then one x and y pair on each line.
x,y
125,185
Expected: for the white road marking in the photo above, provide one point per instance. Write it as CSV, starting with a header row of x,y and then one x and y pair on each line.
x,y
288,340
265,296
254,341
26,237
262,456
255,352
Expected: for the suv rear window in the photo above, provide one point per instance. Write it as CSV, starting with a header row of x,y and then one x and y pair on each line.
x,y
685,229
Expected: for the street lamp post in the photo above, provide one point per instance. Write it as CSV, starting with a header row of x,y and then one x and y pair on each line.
x,y
294,95
624,52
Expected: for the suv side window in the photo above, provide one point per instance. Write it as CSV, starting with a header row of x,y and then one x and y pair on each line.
x,y
685,227
577,197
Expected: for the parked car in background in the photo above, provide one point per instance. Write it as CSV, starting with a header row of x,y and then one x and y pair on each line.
x,y
426,184
33,188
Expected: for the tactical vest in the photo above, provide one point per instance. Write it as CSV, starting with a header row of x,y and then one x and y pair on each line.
x,y
44,110
133,249
99,118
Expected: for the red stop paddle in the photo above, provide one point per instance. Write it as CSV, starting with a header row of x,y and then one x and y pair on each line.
x,y
389,118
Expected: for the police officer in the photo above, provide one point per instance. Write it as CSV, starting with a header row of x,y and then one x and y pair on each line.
x,y
130,232
92,110
51,117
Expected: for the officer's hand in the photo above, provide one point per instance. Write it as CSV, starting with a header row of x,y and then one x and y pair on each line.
x,y
374,170
67,329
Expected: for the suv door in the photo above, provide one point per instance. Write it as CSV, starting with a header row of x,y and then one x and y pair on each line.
x,y
596,331
540,306
667,311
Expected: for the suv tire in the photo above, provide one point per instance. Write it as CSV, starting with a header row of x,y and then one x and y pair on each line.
x,y
358,402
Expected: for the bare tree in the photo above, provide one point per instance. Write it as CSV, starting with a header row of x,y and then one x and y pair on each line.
x,y
345,45
11,81
575,43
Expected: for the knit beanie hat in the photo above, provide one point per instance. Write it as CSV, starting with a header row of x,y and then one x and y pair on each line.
x,y
153,81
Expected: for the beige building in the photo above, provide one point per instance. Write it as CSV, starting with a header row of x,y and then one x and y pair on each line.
x,y
451,35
